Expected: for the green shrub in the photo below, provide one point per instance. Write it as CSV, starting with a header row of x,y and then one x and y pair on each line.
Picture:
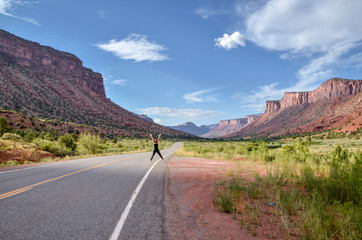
x,y
4,128
224,202
53,147
12,137
10,163
68,141
91,144
30,135
344,181
289,201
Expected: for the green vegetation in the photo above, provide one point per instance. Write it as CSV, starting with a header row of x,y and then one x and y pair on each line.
x,y
30,143
313,188
4,128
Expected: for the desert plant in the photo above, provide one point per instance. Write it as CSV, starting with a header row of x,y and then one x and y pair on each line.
x,y
344,181
12,137
91,144
4,128
30,135
68,141
53,147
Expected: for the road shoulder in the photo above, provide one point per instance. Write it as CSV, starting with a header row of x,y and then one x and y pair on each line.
x,y
190,213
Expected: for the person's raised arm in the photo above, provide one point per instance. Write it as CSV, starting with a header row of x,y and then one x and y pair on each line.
x,y
159,136
151,137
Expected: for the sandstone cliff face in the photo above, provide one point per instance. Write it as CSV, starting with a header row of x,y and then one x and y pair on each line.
x,y
49,83
229,126
334,87
336,100
48,60
240,121
272,106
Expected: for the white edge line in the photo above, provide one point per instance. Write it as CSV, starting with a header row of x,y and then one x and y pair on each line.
x,y
122,220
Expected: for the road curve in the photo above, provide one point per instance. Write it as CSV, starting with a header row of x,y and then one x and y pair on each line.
x,y
84,199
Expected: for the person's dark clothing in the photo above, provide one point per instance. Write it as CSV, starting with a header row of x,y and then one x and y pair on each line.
x,y
156,150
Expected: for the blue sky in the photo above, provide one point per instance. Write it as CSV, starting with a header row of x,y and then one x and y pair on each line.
x,y
199,61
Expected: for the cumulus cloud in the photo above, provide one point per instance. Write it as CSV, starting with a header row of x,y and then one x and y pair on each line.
x,y
255,100
7,5
191,114
120,82
199,96
325,34
135,47
324,31
157,120
230,41
299,24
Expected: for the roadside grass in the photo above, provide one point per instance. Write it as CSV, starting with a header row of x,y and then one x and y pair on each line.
x,y
311,194
71,148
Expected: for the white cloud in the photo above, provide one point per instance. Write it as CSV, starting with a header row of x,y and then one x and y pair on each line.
x,y
190,114
120,82
135,47
206,12
324,33
299,24
230,41
197,96
256,99
157,120
7,5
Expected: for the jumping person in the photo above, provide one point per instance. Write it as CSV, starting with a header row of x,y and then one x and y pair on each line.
x,y
155,146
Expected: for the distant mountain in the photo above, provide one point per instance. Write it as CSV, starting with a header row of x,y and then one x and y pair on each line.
x,y
334,104
228,126
211,127
191,128
145,117
48,83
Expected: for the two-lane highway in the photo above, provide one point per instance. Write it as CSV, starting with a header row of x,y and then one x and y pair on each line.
x,y
85,199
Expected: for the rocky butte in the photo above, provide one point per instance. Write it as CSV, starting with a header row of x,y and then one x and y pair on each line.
x,y
229,126
336,102
334,87
48,83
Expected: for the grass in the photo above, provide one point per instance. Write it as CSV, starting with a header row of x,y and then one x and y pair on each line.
x,y
314,194
71,147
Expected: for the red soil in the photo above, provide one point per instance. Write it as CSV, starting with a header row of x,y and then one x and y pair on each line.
x,y
22,155
190,213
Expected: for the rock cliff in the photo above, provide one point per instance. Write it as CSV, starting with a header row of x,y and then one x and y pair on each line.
x,y
48,83
229,126
334,87
335,101
45,60
272,106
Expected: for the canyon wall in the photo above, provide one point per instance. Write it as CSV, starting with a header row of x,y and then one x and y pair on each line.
x,y
240,121
48,61
229,126
47,83
332,88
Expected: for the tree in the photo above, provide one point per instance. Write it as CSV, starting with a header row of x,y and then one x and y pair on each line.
x,y
4,128
68,141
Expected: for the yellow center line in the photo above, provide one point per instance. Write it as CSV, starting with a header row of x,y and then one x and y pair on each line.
x,y
20,190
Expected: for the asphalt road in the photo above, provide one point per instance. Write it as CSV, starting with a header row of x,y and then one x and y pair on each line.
x,y
84,199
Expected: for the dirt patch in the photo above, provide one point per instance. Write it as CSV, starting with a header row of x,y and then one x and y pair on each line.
x,y
190,213
22,155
